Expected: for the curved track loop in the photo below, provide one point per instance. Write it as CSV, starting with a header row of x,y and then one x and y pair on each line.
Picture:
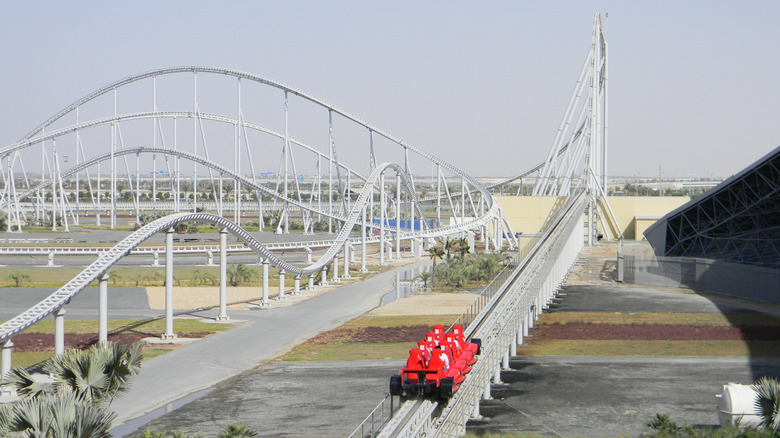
x,y
349,219
357,207
27,142
262,80
107,259
176,153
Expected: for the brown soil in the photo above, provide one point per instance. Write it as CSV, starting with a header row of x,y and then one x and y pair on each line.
x,y
371,335
30,342
595,331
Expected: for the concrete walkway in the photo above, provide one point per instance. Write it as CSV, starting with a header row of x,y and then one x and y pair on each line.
x,y
264,335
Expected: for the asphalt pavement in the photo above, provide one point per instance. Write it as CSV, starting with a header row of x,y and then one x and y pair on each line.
x,y
265,334
599,396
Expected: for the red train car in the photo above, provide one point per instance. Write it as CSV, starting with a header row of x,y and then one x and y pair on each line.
x,y
437,366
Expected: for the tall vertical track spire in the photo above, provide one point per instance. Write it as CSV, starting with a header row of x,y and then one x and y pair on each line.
x,y
578,156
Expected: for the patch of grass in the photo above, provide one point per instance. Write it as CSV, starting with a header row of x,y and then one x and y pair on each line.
x,y
712,319
504,435
117,227
347,352
181,325
158,350
126,277
398,321
650,348
27,359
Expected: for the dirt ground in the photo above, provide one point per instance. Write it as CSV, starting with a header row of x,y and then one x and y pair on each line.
x,y
429,303
652,332
242,297
33,342
371,335
238,298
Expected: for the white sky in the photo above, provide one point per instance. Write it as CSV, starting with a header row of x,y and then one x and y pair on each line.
x,y
694,85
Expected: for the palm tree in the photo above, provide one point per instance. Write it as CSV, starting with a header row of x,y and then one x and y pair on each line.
x,y
18,277
434,254
237,431
113,277
237,274
97,375
199,278
768,402
55,415
424,277
449,245
463,247
86,382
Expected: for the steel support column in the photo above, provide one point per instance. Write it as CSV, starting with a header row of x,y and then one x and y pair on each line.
x,y
223,316
265,302
59,331
363,268
281,296
486,390
347,250
398,216
103,310
382,219
169,333
6,358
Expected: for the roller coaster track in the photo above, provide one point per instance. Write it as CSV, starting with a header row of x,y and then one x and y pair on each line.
x,y
28,139
366,191
107,259
528,280
158,115
181,154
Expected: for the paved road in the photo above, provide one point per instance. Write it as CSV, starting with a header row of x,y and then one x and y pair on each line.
x,y
618,396
98,236
558,395
263,336
287,399
610,396
104,236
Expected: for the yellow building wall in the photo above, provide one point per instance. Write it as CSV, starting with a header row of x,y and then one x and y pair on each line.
x,y
640,225
627,208
526,214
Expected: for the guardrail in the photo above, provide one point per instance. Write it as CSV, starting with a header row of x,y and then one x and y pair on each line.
x,y
376,419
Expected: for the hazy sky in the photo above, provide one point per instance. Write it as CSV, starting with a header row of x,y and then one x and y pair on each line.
x,y
694,85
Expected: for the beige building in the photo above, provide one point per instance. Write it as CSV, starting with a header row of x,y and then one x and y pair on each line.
x,y
634,214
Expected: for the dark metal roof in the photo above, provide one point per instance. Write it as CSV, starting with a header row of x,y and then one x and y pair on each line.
x,y
737,221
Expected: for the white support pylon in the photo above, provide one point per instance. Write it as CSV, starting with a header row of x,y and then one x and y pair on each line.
x,y
223,316
169,333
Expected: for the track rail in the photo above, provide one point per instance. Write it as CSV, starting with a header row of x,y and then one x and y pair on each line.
x,y
181,249
108,258
514,298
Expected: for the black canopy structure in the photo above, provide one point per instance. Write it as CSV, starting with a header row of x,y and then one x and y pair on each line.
x,y
737,221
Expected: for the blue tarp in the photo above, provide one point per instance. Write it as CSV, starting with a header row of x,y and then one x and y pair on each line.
x,y
405,224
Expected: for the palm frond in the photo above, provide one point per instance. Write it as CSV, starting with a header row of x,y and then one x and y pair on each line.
x,y
768,402
25,384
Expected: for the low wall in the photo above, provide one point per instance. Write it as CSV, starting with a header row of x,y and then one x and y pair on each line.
x,y
744,281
